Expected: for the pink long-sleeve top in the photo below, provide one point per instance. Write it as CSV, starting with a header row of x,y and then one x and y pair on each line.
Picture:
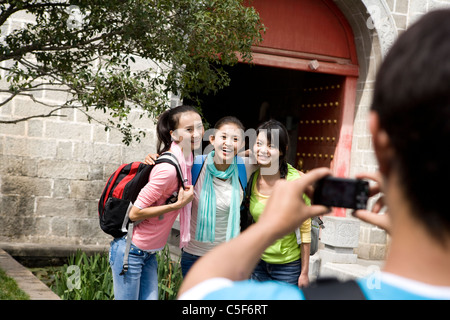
x,y
151,234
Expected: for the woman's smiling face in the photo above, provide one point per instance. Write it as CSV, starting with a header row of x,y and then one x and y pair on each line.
x,y
189,132
227,141
266,153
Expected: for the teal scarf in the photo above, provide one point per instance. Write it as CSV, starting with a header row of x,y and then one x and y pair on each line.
x,y
206,216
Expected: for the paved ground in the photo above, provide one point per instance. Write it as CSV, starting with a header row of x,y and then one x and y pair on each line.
x,y
25,279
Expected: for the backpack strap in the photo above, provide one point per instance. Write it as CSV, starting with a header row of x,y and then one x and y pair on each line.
x,y
332,289
199,162
128,243
168,157
242,172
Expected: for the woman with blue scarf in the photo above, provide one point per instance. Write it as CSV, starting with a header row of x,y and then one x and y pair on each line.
x,y
217,193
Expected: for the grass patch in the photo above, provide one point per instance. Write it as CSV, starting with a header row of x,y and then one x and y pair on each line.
x,y
90,278
9,290
84,278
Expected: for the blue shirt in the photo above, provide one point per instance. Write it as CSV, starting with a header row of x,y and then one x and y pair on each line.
x,y
382,286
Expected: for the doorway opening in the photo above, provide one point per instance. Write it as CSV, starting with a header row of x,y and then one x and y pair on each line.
x,y
308,104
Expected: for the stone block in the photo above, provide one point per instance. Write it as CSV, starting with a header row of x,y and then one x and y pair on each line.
x,y
377,236
339,237
64,150
314,266
34,148
26,186
67,130
340,232
35,128
84,229
96,172
61,188
337,255
59,227
15,129
96,152
86,190
60,207
63,170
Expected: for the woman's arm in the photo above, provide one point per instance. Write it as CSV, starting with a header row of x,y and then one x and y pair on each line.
x,y
184,197
163,177
236,259
305,249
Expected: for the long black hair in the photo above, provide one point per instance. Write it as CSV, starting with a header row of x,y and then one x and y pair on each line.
x,y
168,121
277,135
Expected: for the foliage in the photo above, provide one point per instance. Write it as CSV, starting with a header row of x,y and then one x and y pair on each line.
x,y
118,56
85,278
169,275
9,289
90,278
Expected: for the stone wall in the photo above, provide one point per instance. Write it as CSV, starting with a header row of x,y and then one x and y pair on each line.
x,y
53,171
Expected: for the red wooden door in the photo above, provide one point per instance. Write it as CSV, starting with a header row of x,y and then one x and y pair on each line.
x,y
319,124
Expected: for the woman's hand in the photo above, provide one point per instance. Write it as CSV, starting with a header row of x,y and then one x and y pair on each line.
x,y
303,280
184,197
151,158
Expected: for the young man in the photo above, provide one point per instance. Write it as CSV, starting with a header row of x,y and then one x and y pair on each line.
x,y
410,126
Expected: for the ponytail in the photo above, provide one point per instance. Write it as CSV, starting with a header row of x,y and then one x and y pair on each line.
x,y
163,132
168,121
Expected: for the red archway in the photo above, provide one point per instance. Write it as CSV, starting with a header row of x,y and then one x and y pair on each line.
x,y
314,36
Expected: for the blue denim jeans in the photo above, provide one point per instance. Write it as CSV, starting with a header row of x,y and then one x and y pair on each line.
x,y
187,260
140,282
287,272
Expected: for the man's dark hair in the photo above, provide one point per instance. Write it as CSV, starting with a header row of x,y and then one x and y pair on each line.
x,y
412,99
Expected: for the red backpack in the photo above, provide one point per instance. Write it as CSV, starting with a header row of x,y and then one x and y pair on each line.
x,y
122,189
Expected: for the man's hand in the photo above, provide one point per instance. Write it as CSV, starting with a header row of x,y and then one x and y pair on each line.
x,y
382,221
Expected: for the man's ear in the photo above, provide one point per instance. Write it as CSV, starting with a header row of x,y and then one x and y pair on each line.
x,y
381,144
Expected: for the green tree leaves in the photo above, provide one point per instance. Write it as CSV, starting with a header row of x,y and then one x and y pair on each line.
x,y
116,56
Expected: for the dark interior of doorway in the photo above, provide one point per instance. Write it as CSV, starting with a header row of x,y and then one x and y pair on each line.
x,y
259,93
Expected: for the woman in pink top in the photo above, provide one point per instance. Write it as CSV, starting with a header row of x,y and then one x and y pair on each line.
x,y
179,130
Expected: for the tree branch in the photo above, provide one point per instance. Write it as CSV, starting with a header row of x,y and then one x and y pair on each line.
x,y
7,13
50,114
18,54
